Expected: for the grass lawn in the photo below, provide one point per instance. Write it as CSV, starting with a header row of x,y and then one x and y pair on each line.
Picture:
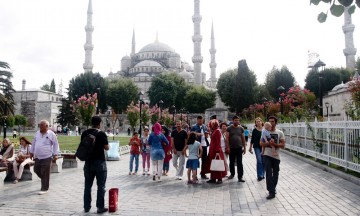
x,y
71,142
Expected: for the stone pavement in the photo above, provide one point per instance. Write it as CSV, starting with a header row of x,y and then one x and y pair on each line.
x,y
302,190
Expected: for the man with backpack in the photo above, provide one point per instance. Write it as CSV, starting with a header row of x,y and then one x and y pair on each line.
x,y
95,165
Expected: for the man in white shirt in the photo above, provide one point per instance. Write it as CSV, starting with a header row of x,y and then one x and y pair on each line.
x,y
200,129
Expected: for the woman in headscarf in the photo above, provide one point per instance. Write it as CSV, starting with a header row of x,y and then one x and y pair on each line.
x,y
157,153
168,151
215,151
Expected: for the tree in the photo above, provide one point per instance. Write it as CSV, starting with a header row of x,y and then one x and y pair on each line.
x,y
84,107
243,90
197,99
133,115
261,93
6,97
66,116
170,88
52,86
225,87
120,93
353,107
89,83
337,7
45,87
20,120
276,78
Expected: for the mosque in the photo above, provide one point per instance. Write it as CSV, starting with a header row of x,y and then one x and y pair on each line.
x,y
158,58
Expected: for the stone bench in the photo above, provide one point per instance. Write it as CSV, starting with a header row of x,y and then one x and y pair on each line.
x,y
26,175
3,171
56,166
70,161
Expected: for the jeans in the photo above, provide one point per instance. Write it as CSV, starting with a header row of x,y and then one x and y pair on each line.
x,y
259,163
92,169
132,157
236,153
42,169
272,173
179,168
146,161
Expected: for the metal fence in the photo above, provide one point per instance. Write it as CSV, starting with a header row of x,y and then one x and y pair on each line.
x,y
336,142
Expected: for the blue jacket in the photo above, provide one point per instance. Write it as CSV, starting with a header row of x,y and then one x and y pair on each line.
x,y
157,150
196,128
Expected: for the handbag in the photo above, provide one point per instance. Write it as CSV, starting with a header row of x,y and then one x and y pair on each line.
x,y
217,164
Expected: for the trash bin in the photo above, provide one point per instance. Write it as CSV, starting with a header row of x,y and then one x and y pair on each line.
x,y
113,199
113,152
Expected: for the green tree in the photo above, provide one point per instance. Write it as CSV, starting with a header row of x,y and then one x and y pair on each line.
x,y
170,88
276,78
198,99
91,83
20,120
120,93
6,96
66,116
52,86
261,93
243,90
357,64
45,87
225,88
337,7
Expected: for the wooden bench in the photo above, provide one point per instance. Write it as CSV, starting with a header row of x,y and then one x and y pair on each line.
x,y
70,161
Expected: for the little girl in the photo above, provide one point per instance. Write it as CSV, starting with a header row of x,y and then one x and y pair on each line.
x,y
195,152
134,152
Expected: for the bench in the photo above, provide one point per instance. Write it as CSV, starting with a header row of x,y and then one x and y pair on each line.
x,y
56,166
3,171
26,175
70,161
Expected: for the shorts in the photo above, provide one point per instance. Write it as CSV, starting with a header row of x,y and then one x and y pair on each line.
x,y
193,164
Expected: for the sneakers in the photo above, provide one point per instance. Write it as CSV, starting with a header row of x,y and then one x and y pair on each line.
x,y
102,210
143,172
148,173
134,173
154,178
42,192
15,181
271,196
231,177
129,173
179,178
260,178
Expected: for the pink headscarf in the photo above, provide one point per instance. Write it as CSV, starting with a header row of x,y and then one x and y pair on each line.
x,y
214,124
157,128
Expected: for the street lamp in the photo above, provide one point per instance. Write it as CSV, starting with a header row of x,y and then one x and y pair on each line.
x,y
320,96
281,90
174,112
160,106
141,102
264,99
97,102
327,109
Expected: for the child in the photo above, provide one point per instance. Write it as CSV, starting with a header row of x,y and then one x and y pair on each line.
x,y
145,152
134,152
195,152
265,137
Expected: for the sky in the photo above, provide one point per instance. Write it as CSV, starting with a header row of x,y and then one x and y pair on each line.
x,y
44,39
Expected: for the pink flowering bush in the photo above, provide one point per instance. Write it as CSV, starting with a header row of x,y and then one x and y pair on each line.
x,y
85,107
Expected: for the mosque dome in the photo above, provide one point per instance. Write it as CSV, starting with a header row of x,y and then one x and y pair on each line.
x,y
157,47
147,63
340,86
125,57
142,75
186,75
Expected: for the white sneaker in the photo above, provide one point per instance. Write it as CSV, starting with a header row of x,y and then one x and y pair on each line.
x,y
42,192
179,178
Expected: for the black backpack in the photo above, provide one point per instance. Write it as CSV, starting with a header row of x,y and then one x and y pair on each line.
x,y
86,146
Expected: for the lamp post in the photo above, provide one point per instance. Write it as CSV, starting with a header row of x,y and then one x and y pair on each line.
x,y
281,90
187,118
327,109
97,102
160,106
174,112
264,99
141,102
320,96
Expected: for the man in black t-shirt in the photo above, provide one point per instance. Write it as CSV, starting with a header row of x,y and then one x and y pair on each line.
x,y
178,139
96,167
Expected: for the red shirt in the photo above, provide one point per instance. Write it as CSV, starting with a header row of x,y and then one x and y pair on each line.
x,y
135,145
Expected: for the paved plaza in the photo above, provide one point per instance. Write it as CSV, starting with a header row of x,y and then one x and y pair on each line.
x,y
302,190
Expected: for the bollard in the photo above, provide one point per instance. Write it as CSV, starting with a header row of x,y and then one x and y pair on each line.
x,y
113,199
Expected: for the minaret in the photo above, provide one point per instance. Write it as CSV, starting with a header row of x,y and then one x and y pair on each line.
x,y
212,64
88,65
197,59
133,43
350,50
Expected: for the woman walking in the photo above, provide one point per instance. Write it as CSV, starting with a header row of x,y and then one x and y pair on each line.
x,y
255,143
157,153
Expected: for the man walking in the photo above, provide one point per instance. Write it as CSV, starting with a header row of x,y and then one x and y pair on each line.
x,y
272,161
44,149
236,140
95,166
179,139
200,129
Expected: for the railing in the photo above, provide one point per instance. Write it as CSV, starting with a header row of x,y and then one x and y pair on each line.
x,y
335,142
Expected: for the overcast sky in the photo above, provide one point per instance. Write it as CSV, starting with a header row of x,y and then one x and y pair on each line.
x,y
44,39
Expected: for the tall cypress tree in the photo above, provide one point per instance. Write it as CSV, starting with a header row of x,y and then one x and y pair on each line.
x,y
52,86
